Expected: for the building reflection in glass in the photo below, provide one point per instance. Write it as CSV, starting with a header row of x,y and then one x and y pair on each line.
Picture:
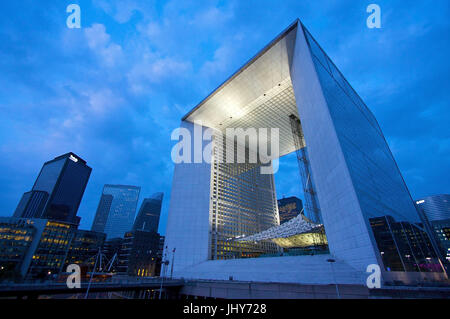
x,y
404,246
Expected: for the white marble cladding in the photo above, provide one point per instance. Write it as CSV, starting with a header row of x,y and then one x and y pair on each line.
x,y
188,224
291,269
343,220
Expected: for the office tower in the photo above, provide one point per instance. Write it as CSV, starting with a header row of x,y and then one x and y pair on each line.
x,y
116,210
39,248
51,251
139,253
35,248
84,247
436,214
31,204
292,87
19,238
410,239
149,213
289,208
111,250
58,190
101,216
435,207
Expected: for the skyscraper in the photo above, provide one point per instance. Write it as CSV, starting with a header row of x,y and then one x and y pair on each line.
x,y
31,204
139,253
435,207
116,210
101,216
289,208
436,215
149,213
83,248
57,192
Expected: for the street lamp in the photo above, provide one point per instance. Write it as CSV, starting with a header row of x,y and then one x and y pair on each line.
x,y
173,259
331,261
164,262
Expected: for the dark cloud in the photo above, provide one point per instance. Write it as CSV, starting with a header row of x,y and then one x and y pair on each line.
x,y
113,91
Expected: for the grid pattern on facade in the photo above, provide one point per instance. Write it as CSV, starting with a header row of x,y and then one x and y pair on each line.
x,y
51,252
382,193
259,96
243,202
272,113
235,97
122,209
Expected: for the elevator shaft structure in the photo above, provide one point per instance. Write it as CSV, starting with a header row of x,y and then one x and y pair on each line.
x,y
311,204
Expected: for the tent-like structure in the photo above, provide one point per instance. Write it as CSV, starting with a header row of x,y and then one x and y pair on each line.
x,y
298,232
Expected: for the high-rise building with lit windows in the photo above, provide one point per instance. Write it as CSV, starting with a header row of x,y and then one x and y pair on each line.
x,y
436,212
138,255
436,207
19,238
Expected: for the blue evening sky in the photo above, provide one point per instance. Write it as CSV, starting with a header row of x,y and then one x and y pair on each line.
x,y
113,91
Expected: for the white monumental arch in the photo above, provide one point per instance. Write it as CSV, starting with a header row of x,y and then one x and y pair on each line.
x,y
364,202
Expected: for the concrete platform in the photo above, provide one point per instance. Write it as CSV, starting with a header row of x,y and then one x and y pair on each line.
x,y
292,269
248,290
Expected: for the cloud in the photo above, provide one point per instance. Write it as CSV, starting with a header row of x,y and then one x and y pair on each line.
x,y
114,90
212,17
147,72
104,100
99,42
122,11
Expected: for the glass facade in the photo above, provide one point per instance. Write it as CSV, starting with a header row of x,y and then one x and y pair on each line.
x,y
111,249
31,205
383,196
101,216
118,219
51,252
441,230
243,203
435,207
16,236
64,179
436,212
139,254
84,247
149,213
42,248
48,177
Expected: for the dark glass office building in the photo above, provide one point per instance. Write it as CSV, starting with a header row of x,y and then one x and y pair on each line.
x,y
397,229
436,214
289,208
111,249
149,213
51,252
57,192
101,216
116,210
139,254
435,207
37,248
84,247
31,204
19,238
